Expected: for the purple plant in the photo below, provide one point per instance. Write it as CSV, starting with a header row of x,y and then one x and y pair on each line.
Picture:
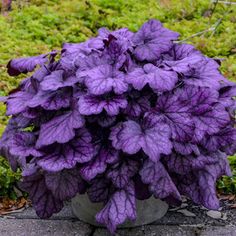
x,y
121,117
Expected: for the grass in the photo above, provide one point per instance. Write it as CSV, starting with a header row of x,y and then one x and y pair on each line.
x,y
42,25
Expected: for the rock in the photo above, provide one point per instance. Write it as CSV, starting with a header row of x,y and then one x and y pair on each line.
x,y
183,205
214,214
186,212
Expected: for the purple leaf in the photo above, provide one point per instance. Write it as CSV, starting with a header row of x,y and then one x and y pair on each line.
x,y
23,145
207,117
43,201
191,187
119,208
185,164
204,74
151,137
227,92
170,111
64,184
126,136
200,185
121,34
186,148
211,121
30,169
99,190
89,104
17,102
137,105
224,140
73,54
66,156
103,79
99,164
199,99
57,79
3,99
52,100
6,142
152,40
160,183
182,58
22,121
25,65
88,63
102,119
60,129
41,73
157,79
121,175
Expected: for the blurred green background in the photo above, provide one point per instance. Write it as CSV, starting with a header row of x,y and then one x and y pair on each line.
x,y
38,26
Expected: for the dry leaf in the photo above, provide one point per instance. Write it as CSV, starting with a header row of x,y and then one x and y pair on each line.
x,y
12,211
8,206
233,206
229,197
232,197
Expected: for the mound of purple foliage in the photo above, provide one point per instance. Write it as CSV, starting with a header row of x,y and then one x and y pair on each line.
x,y
121,117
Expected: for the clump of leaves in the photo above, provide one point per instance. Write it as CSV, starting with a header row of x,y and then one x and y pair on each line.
x,y
227,184
8,179
122,116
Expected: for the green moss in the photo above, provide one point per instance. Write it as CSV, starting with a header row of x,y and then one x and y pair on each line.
x,y
42,25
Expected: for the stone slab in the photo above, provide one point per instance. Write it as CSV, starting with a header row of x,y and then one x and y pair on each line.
x,y
34,227
29,213
171,218
162,230
27,223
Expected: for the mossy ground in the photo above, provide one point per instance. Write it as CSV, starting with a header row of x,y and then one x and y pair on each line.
x,y
38,26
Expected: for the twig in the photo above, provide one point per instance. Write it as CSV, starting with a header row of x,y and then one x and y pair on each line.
x,y
213,10
221,19
217,25
212,28
12,211
224,2
194,35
